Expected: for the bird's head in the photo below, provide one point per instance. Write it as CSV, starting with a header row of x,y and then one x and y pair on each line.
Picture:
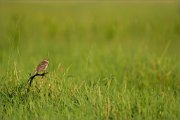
x,y
46,60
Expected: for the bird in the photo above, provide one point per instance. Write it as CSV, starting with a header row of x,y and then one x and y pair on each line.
x,y
40,70
41,67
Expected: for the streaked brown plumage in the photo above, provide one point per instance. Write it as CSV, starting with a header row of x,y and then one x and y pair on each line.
x,y
42,66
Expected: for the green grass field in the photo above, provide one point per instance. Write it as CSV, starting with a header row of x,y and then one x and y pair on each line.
x,y
116,61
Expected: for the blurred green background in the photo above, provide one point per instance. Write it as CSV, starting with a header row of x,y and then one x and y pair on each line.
x,y
38,29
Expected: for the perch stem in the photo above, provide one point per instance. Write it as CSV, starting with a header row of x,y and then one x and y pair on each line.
x,y
33,76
